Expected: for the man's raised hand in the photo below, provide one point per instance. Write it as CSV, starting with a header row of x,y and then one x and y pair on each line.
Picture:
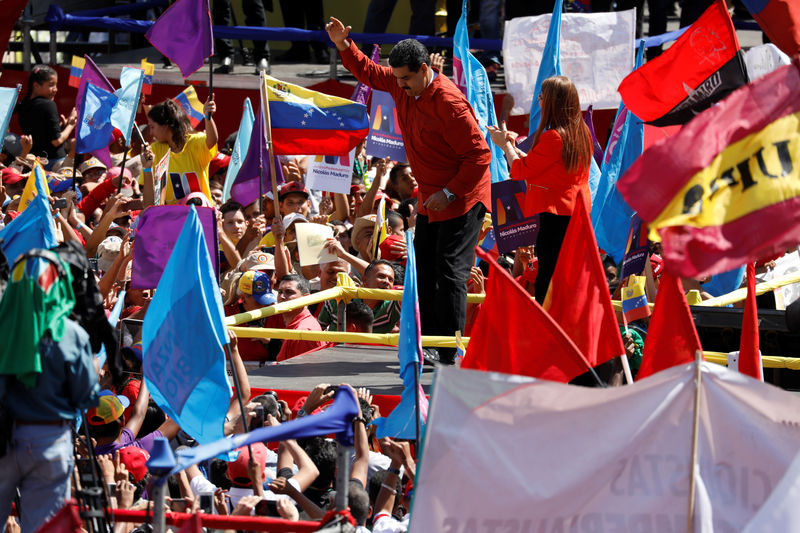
x,y
338,33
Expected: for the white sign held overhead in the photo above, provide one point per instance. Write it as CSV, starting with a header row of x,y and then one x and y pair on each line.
x,y
597,52
330,173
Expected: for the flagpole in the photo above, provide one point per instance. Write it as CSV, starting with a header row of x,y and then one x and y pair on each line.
x,y
695,426
122,167
416,404
268,120
236,382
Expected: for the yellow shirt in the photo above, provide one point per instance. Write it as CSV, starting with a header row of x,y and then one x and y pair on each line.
x,y
188,169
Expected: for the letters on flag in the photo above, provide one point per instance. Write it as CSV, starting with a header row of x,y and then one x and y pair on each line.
x,y
725,190
312,123
701,67
191,105
512,226
637,249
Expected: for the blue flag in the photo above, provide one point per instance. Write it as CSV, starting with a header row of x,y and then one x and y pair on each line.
x,y
124,113
550,65
94,119
471,78
183,337
401,423
337,419
33,228
8,99
239,148
611,214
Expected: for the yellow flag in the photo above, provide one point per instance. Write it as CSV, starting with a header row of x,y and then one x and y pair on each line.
x,y
32,188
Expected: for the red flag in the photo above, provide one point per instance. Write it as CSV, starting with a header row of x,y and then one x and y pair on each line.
x,y
579,299
67,520
749,354
702,67
780,20
671,338
515,335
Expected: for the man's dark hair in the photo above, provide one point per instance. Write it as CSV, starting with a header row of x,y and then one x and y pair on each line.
x,y
393,218
358,501
396,171
218,474
405,209
322,453
373,265
270,404
360,315
302,283
230,205
409,53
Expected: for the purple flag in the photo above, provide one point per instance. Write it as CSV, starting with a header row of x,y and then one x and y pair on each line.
x,y
362,92
245,188
597,151
92,74
183,34
157,231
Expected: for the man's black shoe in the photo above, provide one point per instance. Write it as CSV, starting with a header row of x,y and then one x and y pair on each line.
x,y
447,356
431,356
247,58
226,66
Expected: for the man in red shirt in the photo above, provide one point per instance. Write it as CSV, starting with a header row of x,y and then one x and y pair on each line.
x,y
450,160
292,287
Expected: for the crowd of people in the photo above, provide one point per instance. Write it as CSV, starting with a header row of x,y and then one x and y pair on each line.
x,y
441,195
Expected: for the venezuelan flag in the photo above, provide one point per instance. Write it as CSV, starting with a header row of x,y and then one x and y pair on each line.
x,y
76,71
725,190
149,69
780,20
634,300
191,105
32,188
308,122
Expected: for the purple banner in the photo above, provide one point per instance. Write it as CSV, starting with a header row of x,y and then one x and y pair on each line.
x,y
512,226
385,138
637,248
157,231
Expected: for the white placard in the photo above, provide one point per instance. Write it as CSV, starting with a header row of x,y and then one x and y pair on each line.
x,y
597,51
763,59
330,173
311,243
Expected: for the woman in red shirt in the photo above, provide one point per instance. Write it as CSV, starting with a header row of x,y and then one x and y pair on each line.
x,y
555,169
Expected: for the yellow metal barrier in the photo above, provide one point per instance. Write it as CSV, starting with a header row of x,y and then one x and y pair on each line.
x,y
767,361
740,294
389,339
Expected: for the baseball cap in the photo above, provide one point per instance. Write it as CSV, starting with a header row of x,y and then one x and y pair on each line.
x,y
11,176
292,187
220,161
91,163
135,460
257,285
237,470
357,188
291,218
386,247
258,261
109,408
116,229
107,252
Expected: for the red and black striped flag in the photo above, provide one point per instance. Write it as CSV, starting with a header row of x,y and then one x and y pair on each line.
x,y
702,67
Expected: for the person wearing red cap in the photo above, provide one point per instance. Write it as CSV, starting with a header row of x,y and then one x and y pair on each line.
x,y
293,198
13,181
450,158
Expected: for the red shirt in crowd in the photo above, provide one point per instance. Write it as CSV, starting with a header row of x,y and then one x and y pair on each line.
x,y
444,145
304,321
